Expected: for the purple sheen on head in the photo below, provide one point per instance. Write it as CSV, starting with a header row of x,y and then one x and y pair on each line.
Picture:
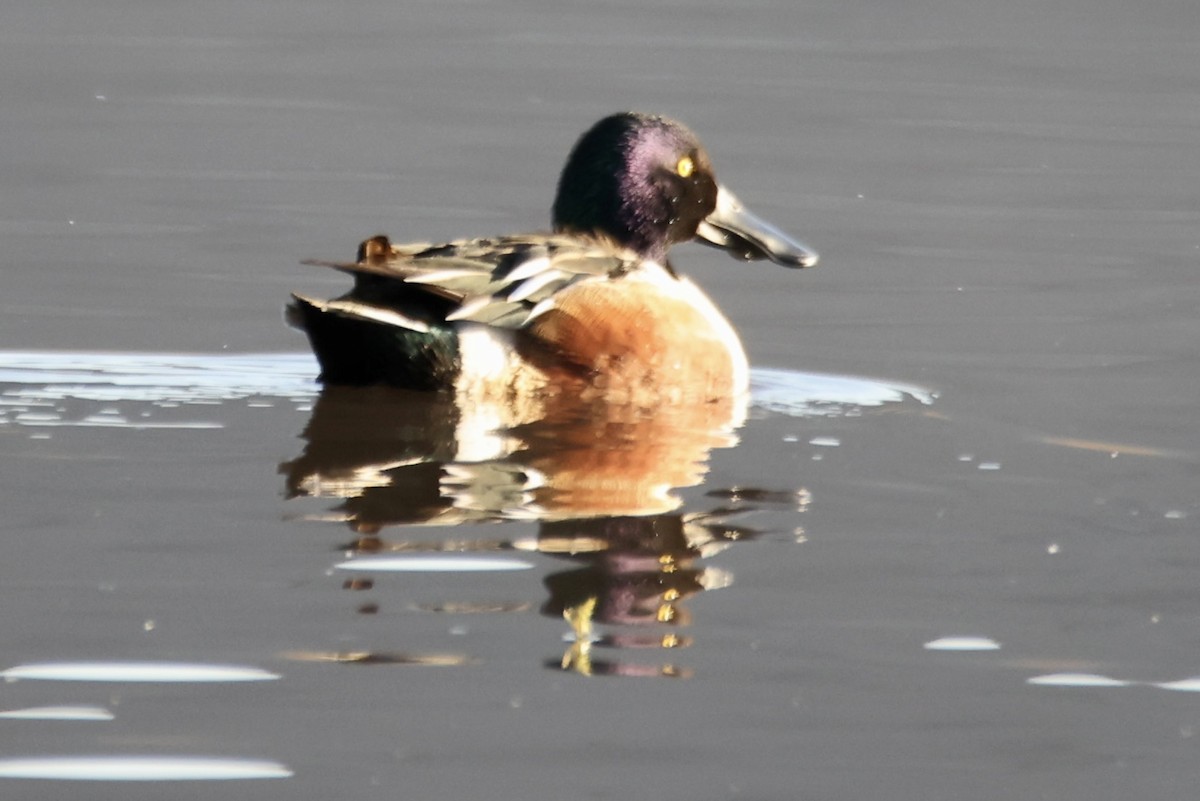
x,y
619,182
646,203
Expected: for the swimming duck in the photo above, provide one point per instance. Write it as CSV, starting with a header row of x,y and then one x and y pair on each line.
x,y
594,309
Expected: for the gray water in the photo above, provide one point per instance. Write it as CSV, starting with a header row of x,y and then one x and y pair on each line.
x,y
950,554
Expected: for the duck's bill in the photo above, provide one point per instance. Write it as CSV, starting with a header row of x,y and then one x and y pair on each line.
x,y
745,236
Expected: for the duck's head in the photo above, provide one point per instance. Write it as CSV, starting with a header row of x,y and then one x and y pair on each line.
x,y
646,183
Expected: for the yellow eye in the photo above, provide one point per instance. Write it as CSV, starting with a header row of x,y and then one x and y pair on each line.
x,y
685,167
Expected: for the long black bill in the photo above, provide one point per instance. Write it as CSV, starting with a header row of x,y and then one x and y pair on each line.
x,y
731,227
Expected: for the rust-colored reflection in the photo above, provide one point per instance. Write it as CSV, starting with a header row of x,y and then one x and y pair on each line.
x,y
401,457
599,484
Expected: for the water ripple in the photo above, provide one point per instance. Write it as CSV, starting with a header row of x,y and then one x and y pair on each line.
x,y
34,378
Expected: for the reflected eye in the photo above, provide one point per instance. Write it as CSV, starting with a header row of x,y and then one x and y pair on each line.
x,y
685,167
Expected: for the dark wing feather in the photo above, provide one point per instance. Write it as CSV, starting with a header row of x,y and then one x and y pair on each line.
x,y
498,281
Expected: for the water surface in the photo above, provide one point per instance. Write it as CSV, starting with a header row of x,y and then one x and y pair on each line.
x,y
963,569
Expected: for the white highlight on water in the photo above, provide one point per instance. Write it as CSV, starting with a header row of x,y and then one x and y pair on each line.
x,y
153,672
1077,680
962,644
434,564
140,768
59,713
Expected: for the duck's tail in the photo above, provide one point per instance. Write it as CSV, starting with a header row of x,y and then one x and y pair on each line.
x,y
358,343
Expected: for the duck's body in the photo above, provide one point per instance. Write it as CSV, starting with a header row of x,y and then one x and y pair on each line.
x,y
524,314
593,310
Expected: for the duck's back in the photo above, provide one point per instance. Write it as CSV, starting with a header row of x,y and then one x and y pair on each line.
x,y
547,313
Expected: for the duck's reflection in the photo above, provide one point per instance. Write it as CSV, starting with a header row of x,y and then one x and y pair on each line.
x,y
636,584
600,484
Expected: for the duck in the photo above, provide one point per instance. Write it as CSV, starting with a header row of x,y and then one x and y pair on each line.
x,y
592,309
